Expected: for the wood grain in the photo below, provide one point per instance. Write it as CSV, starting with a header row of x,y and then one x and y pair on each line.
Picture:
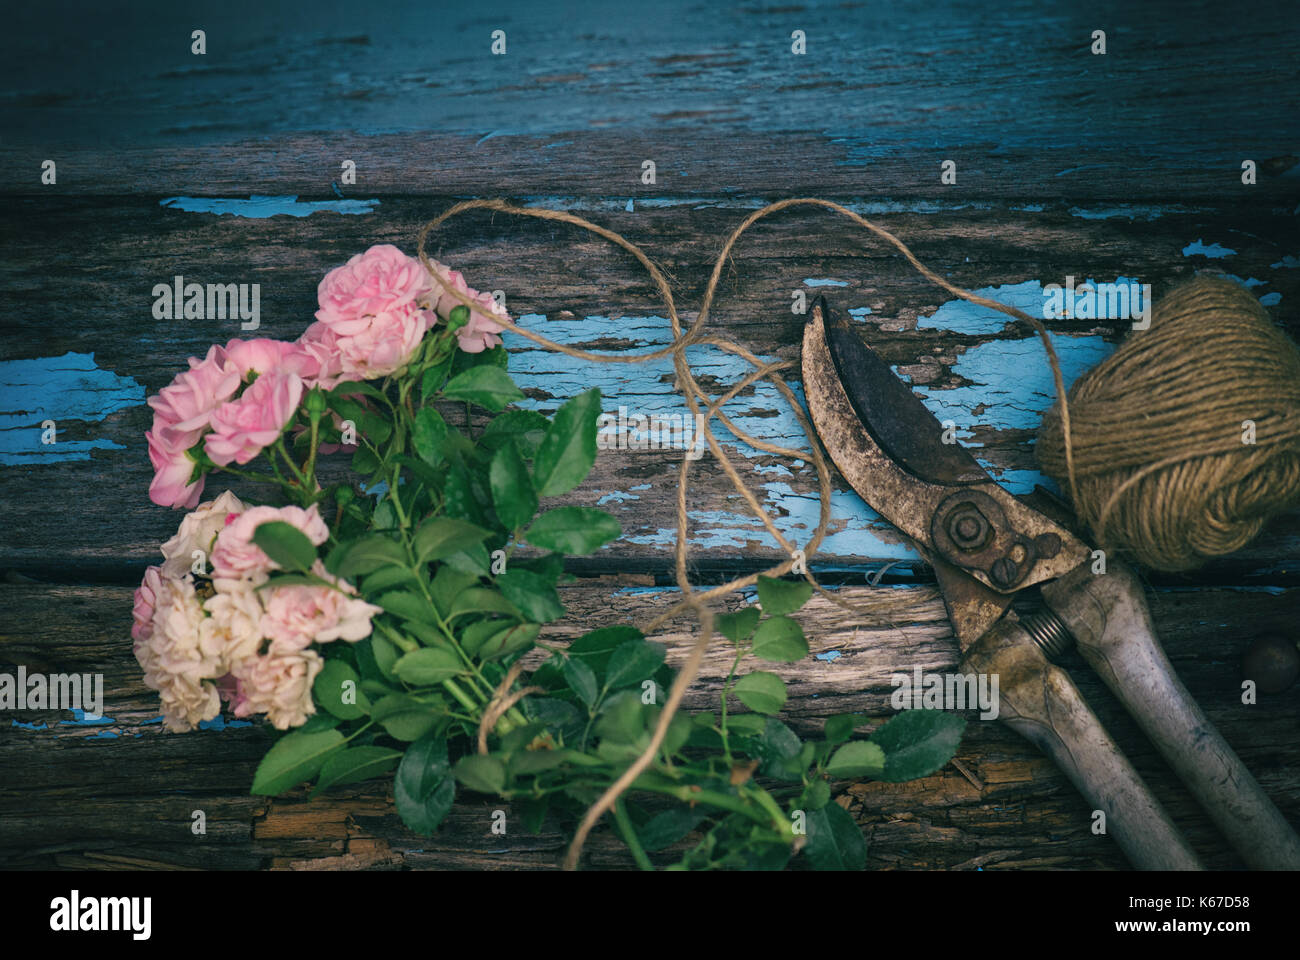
x,y
74,797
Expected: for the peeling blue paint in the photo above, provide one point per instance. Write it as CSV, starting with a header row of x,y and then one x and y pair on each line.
x,y
616,497
813,282
81,719
1129,211
219,722
1271,299
829,656
1288,262
30,726
70,387
259,206
1214,251
1012,382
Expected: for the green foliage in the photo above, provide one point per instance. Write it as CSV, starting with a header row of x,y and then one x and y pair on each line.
x,y
429,535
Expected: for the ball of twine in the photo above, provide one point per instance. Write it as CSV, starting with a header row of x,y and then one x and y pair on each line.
x,y
1186,440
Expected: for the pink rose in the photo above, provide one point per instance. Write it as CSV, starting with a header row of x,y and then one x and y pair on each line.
x,y
380,281
171,485
374,311
257,356
146,598
384,345
297,616
480,333
235,556
183,409
278,685
243,428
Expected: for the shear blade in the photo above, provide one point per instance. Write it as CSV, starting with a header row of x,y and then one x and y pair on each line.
x,y
889,448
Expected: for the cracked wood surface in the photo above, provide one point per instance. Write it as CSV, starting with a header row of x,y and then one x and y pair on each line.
x,y
121,795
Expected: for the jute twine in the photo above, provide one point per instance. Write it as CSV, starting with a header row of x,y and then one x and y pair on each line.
x,y
699,403
1186,440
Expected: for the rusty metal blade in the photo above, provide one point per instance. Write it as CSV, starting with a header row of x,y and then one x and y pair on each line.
x,y
896,419
916,499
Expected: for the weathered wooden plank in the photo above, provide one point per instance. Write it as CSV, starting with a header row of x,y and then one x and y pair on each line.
x,y
704,162
74,797
988,375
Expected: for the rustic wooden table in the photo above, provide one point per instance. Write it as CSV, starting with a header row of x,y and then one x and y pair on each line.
x,y
1123,165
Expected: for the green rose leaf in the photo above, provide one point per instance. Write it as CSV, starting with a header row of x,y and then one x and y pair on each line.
x,y
427,666
532,594
483,773
581,679
840,727
861,758
424,788
664,829
778,597
354,765
366,556
505,642
338,690
408,606
285,544
781,640
513,495
525,427
568,450
762,692
596,647
481,600
573,530
487,386
429,435
404,717
633,662
737,626
834,841
917,743
293,759
385,578
443,536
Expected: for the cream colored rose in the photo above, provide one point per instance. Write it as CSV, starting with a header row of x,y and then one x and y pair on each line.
x,y
173,659
232,631
197,532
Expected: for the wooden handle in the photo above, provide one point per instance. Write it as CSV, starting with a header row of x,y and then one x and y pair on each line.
x,y
1039,701
1109,619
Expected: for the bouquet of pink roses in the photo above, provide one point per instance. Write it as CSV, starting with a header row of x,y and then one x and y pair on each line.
x,y
380,615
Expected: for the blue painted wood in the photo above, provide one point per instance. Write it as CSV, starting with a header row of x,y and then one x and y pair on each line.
x,y
1179,79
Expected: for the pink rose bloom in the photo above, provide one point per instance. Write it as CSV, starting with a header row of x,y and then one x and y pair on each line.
x,y
374,311
183,409
146,598
171,485
257,356
235,556
380,281
265,356
296,616
243,428
480,333
383,346
279,686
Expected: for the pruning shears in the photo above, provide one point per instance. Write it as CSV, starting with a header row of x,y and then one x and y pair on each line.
x,y
986,546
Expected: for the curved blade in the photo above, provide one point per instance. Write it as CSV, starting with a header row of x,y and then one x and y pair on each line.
x,y
902,426
889,448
